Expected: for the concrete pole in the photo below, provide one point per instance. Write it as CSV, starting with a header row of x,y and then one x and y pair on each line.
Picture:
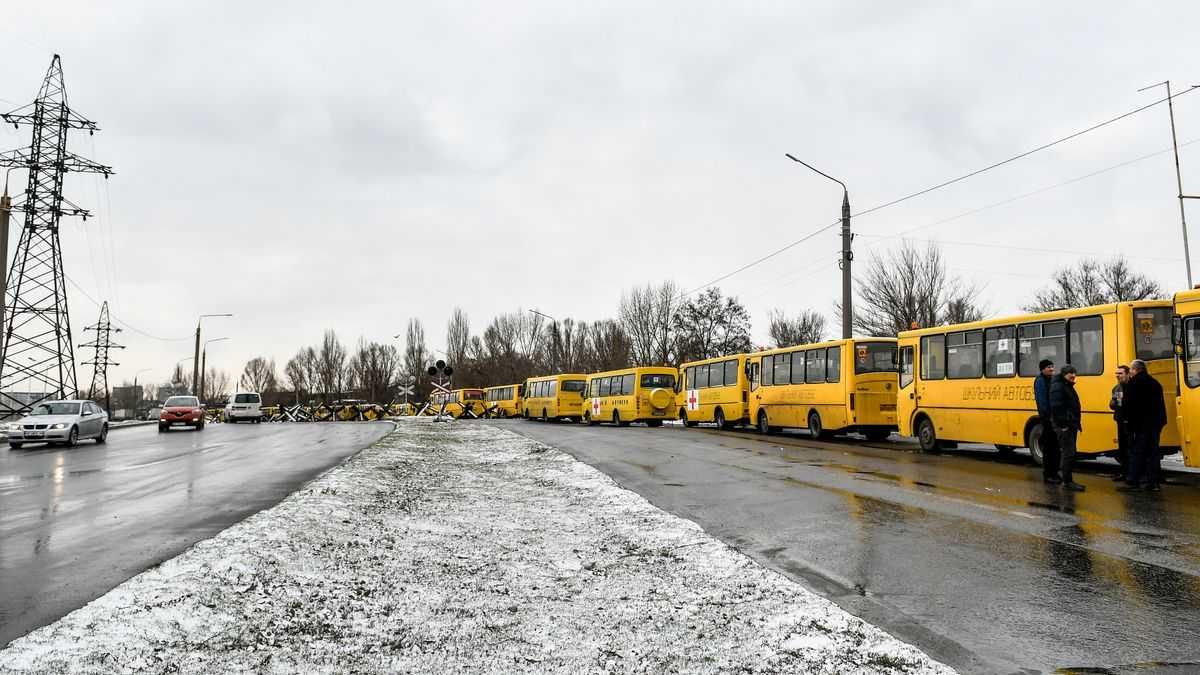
x,y
1187,256
847,257
196,362
203,364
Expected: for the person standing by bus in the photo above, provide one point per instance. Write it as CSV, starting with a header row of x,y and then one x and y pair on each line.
x,y
1145,414
1114,404
1066,415
1049,441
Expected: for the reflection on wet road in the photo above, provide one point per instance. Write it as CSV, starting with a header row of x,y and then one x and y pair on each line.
x,y
76,522
972,557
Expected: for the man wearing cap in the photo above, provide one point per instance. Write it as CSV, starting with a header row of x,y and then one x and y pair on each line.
x,y
1067,417
1049,442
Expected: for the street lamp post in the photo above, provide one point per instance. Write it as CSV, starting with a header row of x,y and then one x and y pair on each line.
x,y
1187,257
847,253
554,336
204,363
196,356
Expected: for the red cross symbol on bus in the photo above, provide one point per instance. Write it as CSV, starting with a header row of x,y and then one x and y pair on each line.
x,y
595,407
692,400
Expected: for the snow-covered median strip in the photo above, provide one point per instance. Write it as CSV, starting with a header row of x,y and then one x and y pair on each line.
x,y
462,546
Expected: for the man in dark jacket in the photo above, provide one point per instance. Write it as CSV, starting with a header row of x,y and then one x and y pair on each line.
x,y
1114,404
1145,413
1067,418
1049,441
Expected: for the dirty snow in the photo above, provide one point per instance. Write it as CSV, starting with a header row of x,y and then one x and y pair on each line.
x,y
461,546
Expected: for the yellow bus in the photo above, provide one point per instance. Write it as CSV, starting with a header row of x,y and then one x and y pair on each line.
x,y
1187,401
458,402
715,390
504,401
554,397
644,394
973,382
828,388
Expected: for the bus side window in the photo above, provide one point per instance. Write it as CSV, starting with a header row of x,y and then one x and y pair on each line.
x,y
731,372
906,366
752,369
933,357
1191,351
627,384
833,369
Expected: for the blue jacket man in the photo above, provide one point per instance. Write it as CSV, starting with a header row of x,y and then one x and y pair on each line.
x,y
1048,440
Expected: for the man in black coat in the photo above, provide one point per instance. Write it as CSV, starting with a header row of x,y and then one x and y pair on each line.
x,y
1067,417
1145,414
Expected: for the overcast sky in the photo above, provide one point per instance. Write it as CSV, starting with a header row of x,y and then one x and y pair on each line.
x,y
349,165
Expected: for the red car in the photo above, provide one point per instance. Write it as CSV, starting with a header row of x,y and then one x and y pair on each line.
x,y
181,411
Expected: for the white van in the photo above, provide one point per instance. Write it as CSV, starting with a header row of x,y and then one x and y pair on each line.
x,y
244,405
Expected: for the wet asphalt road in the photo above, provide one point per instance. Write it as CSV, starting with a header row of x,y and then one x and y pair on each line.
x,y
967,555
76,522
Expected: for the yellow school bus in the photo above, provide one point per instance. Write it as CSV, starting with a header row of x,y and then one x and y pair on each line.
x,y
973,382
828,388
645,394
554,397
504,401
458,402
714,390
1187,401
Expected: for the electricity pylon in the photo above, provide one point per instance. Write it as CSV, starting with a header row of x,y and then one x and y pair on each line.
x,y
100,361
36,350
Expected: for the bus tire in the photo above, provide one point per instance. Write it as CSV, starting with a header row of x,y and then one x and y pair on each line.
x,y
587,417
545,418
684,418
815,427
526,414
719,419
764,426
877,434
1033,441
927,436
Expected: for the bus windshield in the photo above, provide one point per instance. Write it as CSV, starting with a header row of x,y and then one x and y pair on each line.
x,y
1152,326
874,357
573,385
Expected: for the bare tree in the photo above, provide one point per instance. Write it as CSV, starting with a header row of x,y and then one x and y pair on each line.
x,y
711,325
803,329
375,367
416,354
297,373
331,365
259,375
216,386
1091,282
181,379
647,314
610,347
910,287
458,338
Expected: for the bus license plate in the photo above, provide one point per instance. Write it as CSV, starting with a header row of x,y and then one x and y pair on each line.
x,y
889,407
660,413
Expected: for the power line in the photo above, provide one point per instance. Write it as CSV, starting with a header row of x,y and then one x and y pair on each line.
x,y
939,186
792,276
94,301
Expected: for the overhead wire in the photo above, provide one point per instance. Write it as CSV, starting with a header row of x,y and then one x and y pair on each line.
x,y
793,276
943,184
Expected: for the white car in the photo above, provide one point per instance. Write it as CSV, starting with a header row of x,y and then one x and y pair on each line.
x,y
244,405
55,422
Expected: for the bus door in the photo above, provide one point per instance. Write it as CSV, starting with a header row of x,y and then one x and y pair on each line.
x,y
906,399
1187,336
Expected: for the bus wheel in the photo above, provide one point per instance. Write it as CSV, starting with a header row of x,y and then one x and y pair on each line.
x,y
526,415
814,426
545,418
763,426
719,419
684,418
1033,440
927,436
587,417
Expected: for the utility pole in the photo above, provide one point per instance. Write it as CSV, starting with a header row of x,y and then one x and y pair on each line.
x,y
196,354
37,341
1187,256
5,212
100,361
847,253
